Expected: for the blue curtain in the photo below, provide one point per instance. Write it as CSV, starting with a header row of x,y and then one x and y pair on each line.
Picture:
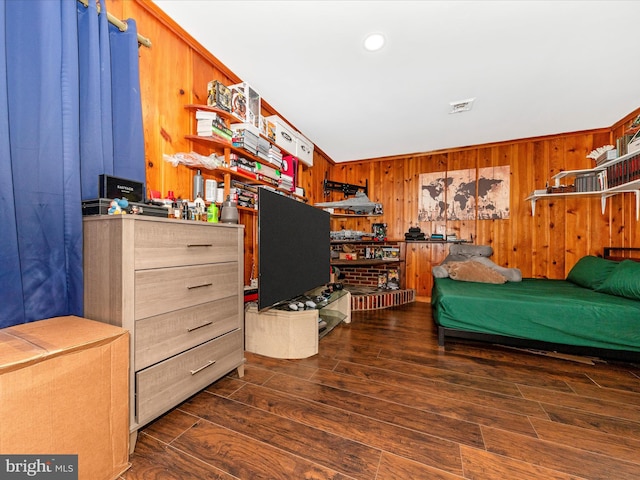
x,y
58,121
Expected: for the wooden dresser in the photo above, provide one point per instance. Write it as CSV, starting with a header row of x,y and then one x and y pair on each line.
x,y
177,286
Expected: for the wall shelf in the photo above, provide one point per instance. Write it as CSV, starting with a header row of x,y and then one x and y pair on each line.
x,y
629,165
603,194
349,215
365,262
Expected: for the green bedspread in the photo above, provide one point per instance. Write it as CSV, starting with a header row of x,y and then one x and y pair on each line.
x,y
555,311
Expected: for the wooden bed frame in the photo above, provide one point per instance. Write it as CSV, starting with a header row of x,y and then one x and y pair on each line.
x,y
623,253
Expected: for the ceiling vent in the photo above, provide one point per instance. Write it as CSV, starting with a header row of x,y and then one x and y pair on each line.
x,y
461,105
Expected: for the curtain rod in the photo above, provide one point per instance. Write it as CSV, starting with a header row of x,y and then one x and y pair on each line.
x,y
119,24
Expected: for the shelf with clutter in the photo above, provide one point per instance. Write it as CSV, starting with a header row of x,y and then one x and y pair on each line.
x,y
242,157
247,147
612,175
243,152
368,260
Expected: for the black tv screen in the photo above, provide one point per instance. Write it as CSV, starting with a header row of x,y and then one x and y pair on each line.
x,y
293,248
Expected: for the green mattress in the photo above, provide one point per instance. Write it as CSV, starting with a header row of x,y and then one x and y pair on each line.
x,y
544,310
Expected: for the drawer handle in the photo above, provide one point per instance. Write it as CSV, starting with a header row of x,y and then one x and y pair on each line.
x,y
199,245
199,326
199,286
208,364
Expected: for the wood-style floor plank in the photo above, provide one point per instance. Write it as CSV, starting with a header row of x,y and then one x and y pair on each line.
x,y
481,465
556,456
393,467
579,402
381,435
527,375
381,401
245,457
496,385
603,422
171,426
288,434
444,406
154,460
365,402
615,446
515,404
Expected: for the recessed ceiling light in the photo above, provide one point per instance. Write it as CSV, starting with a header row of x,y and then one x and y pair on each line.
x,y
374,42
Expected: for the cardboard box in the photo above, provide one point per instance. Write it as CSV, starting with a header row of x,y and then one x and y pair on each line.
x,y
64,389
348,256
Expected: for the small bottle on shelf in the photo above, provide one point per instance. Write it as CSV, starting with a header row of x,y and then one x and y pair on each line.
x,y
212,213
198,185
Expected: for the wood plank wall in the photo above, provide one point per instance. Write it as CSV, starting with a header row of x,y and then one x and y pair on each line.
x,y
547,245
175,72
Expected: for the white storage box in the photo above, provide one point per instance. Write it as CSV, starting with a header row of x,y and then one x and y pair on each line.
x,y
304,150
285,137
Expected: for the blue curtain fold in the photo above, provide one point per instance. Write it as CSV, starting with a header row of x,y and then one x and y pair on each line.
x,y
10,277
96,132
128,134
56,136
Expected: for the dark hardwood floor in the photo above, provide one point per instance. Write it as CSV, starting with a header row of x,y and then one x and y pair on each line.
x,y
382,401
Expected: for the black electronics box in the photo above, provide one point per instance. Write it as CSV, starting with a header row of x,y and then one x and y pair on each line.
x,y
114,187
100,206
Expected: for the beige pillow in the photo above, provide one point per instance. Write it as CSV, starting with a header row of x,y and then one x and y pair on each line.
x,y
470,271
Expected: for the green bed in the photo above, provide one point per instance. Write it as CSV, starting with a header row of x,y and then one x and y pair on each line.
x,y
582,314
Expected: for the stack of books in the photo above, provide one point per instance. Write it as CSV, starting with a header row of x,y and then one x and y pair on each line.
x,y
267,171
247,195
263,148
210,124
591,182
275,155
241,164
286,182
606,156
243,138
268,175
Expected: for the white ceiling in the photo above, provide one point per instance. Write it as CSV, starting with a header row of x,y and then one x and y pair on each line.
x,y
534,67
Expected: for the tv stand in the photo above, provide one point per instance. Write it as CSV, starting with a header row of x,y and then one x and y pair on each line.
x,y
290,334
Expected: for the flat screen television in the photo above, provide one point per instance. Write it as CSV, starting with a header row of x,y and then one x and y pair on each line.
x,y
293,248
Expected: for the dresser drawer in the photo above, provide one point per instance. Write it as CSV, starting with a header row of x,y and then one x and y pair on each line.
x,y
168,289
166,384
172,244
162,336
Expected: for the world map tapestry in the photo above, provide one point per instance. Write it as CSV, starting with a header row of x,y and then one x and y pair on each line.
x,y
459,195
